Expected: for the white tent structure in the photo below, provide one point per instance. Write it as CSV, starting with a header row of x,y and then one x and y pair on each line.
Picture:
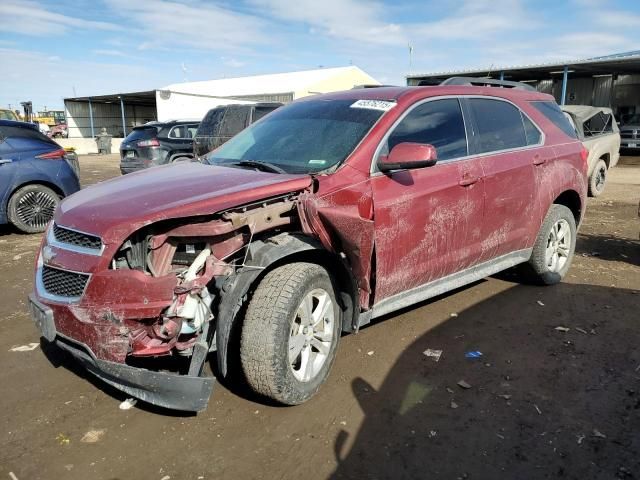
x,y
120,112
194,99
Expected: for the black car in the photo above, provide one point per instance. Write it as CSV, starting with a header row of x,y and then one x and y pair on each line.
x,y
157,143
222,123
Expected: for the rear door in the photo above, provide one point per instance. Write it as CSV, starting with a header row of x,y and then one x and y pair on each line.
x,y
507,144
18,147
427,220
180,137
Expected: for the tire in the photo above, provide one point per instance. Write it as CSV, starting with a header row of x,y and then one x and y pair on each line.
x,y
180,158
273,330
540,268
598,178
32,207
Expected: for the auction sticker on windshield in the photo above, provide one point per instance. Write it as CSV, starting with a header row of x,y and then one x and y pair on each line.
x,y
382,105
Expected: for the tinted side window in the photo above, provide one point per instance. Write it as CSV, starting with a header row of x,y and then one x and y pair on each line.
x,y
499,125
26,133
235,120
552,111
597,125
438,123
260,112
531,131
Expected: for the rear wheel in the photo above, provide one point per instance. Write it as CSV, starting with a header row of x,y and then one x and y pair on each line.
x,y
290,333
598,178
32,207
554,247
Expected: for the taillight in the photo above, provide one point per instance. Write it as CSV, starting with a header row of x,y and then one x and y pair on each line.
x,y
149,143
51,155
584,155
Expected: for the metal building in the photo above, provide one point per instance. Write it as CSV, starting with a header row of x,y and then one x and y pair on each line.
x,y
608,81
120,112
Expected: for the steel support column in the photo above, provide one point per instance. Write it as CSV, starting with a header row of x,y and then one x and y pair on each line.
x,y
93,133
124,125
565,74
501,75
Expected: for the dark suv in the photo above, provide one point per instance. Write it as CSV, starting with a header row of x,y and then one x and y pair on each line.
x,y
157,143
222,123
330,212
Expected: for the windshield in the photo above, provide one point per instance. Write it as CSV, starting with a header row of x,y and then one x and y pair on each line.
x,y
305,137
632,120
141,133
7,115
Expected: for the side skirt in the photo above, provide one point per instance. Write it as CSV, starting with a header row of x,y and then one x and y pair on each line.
x,y
445,284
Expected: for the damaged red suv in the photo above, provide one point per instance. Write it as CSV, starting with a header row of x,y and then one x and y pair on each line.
x,y
331,211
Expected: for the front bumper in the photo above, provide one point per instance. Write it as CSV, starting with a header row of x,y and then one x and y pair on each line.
x,y
169,390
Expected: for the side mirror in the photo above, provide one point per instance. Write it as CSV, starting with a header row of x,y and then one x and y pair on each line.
x,y
408,155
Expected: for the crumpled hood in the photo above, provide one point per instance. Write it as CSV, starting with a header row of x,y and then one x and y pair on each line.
x,y
116,208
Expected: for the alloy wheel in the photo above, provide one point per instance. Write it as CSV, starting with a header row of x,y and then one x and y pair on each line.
x,y
311,335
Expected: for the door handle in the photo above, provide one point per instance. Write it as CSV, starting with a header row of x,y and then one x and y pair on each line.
x,y
5,160
468,179
538,160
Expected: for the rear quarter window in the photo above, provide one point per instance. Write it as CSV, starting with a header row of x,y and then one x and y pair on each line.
x,y
21,133
552,111
499,125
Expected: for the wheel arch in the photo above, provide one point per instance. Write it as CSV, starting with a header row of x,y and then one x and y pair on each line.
x,y
44,183
264,256
571,199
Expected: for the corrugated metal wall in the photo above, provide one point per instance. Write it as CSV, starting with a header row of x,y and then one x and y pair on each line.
x,y
545,86
626,95
602,91
106,115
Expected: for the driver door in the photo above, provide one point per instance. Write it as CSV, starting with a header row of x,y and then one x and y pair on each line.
x,y
427,220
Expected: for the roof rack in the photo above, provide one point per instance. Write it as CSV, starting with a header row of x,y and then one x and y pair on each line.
x,y
370,85
486,82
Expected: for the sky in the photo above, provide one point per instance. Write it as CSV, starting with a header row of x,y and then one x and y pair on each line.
x,y
52,49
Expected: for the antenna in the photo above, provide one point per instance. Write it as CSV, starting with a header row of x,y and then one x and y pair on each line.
x,y
410,57
184,72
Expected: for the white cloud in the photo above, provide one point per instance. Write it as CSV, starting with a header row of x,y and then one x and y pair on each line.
x,y
24,78
232,62
109,52
28,17
194,24
357,20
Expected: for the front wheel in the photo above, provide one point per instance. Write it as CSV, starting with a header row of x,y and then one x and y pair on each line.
x,y
554,247
32,207
290,333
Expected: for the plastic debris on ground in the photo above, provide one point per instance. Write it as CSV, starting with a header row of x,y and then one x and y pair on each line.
x,y
433,354
25,348
92,436
63,439
463,384
539,302
474,354
562,329
128,404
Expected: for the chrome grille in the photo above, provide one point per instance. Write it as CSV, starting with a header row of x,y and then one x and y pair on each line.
x,y
79,239
63,283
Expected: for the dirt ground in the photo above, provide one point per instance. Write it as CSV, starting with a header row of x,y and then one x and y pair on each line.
x,y
542,403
